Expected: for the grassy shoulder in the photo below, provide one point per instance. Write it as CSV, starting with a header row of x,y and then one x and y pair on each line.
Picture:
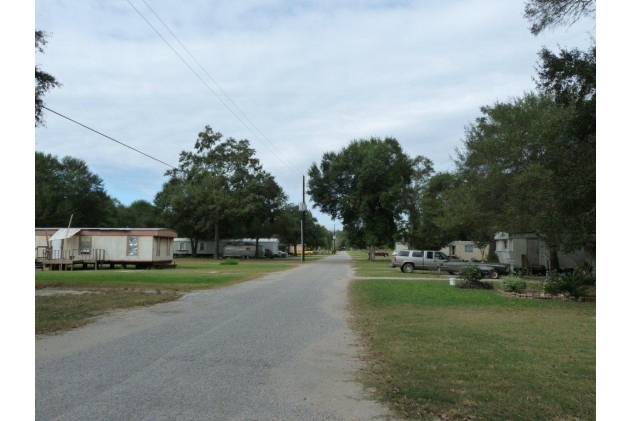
x,y
110,289
436,351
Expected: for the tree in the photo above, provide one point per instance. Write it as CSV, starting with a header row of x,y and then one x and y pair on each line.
x,y
570,78
218,185
263,199
524,166
287,227
67,187
139,214
364,185
429,233
544,14
43,81
423,169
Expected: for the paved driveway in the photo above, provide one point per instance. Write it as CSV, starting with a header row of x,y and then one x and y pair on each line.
x,y
277,348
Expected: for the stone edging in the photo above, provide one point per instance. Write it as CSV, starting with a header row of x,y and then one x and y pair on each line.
x,y
544,296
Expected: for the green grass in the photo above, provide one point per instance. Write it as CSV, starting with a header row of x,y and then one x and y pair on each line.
x,y
64,312
125,288
190,274
438,351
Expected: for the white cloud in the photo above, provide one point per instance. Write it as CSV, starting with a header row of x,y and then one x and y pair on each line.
x,y
310,76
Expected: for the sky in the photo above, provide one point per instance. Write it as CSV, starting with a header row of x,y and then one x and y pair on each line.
x,y
306,78
295,78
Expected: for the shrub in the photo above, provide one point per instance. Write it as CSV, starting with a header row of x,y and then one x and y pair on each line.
x,y
492,258
229,261
472,276
513,284
575,284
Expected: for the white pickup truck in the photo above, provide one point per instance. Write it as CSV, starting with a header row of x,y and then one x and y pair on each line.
x,y
411,260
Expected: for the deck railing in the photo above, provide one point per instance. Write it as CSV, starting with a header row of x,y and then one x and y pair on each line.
x,y
75,255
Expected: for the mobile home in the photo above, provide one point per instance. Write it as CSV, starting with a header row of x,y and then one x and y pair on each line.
x,y
141,247
465,250
183,246
528,252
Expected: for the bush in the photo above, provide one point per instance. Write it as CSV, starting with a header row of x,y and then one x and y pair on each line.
x,y
513,284
229,261
575,284
492,258
472,276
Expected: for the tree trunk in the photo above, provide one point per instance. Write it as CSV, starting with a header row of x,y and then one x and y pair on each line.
x,y
193,247
371,253
216,254
256,250
492,248
554,260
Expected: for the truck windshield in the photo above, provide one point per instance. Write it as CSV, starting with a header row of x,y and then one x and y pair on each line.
x,y
441,255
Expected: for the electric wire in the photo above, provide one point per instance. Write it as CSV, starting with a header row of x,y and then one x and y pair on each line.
x,y
287,163
95,131
207,86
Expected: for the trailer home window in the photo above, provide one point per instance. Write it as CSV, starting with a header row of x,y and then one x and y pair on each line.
x,y
202,246
468,248
168,246
132,245
182,246
157,246
85,244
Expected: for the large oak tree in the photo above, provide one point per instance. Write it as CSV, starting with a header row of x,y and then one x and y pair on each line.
x,y
219,185
366,185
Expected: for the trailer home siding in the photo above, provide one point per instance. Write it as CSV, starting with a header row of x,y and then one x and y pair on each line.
x,y
146,246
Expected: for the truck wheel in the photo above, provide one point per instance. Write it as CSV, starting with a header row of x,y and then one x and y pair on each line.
x,y
408,268
494,274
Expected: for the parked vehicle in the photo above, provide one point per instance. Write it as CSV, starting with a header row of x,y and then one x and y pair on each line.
x,y
242,251
490,270
298,250
411,260
381,253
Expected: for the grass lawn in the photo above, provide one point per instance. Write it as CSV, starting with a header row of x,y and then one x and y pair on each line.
x,y
436,351
125,288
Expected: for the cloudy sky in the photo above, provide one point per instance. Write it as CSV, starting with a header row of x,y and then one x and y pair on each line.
x,y
295,78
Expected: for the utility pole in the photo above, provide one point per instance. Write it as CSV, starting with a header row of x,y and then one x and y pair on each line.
x,y
333,238
303,209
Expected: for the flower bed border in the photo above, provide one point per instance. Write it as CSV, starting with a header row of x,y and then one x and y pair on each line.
x,y
543,296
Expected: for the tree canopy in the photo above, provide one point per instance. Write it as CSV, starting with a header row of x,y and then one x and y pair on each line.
x,y
44,81
67,187
366,185
543,14
220,184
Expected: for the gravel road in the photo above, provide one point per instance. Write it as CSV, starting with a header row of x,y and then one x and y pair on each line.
x,y
277,348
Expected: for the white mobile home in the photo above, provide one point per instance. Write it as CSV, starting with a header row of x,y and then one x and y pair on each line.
x,y
465,250
141,247
528,252
183,246
205,248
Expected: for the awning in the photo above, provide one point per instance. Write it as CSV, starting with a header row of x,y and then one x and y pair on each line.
x,y
64,233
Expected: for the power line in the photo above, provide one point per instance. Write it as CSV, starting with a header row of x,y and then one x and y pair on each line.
x,y
286,163
95,131
290,166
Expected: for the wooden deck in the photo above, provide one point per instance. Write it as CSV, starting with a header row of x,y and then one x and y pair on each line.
x,y
47,259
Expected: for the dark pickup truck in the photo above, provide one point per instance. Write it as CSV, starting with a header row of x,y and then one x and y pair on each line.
x,y
490,270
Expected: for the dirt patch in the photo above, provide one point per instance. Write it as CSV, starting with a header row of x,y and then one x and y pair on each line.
x,y
52,291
